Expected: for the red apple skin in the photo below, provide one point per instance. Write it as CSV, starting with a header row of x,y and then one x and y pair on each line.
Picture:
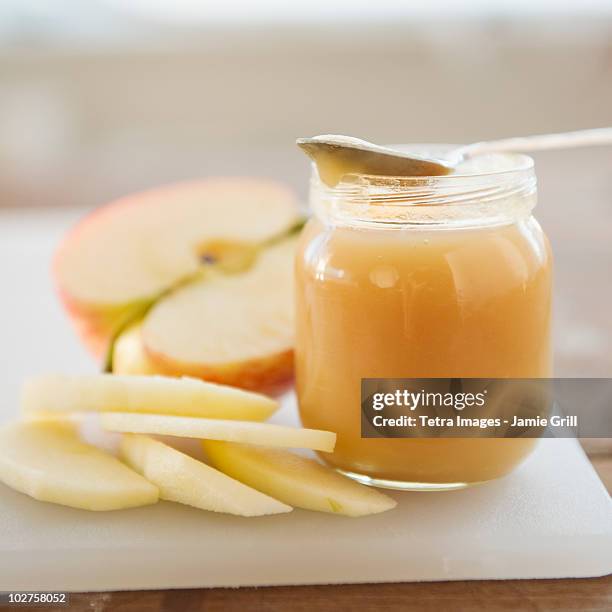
x,y
272,375
90,324
94,324
97,324
95,333
268,373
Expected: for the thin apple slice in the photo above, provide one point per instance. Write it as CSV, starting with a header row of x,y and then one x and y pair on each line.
x,y
148,394
236,329
129,252
183,479
47,461
295,480
218,429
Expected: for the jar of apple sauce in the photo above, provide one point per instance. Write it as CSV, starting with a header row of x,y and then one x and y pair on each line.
x,y
421,277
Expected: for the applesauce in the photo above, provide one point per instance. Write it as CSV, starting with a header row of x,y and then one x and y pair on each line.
x,y
434,277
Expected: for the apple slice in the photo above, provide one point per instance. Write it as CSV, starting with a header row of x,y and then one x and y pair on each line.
x,y
295,480
236,329
150,394
217,429
185,480
122,257
128,355
47,461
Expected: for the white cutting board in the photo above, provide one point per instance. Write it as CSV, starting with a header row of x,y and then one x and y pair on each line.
x,y
551,518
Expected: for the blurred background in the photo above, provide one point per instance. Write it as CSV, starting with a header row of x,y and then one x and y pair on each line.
x,y
105,97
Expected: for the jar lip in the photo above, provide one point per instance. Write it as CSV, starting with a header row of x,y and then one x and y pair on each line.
x,y
492,193
517,164
508,161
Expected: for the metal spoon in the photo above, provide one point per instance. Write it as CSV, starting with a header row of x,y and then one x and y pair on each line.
x,y
337,155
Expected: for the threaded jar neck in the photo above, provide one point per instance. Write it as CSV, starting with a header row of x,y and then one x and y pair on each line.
x,y
495,189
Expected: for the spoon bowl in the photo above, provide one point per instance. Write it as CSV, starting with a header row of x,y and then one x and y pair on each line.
x,y
336,156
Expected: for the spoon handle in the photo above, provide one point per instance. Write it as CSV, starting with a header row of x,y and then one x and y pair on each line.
x,y
541,142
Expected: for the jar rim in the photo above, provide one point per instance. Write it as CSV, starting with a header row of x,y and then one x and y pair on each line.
x,y
507,161
516,164
495,188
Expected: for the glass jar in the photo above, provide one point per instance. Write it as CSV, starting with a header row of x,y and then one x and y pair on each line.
x,y
421,277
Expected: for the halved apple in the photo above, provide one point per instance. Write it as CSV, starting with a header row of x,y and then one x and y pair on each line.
x,y
47,461
295,480
218,429
121,258
183,479
149,394
236,329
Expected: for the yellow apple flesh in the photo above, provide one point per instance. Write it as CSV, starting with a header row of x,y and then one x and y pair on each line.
x,y
124,256
219,429
236,329
146,394
296,480
128,355
47,461
183,479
